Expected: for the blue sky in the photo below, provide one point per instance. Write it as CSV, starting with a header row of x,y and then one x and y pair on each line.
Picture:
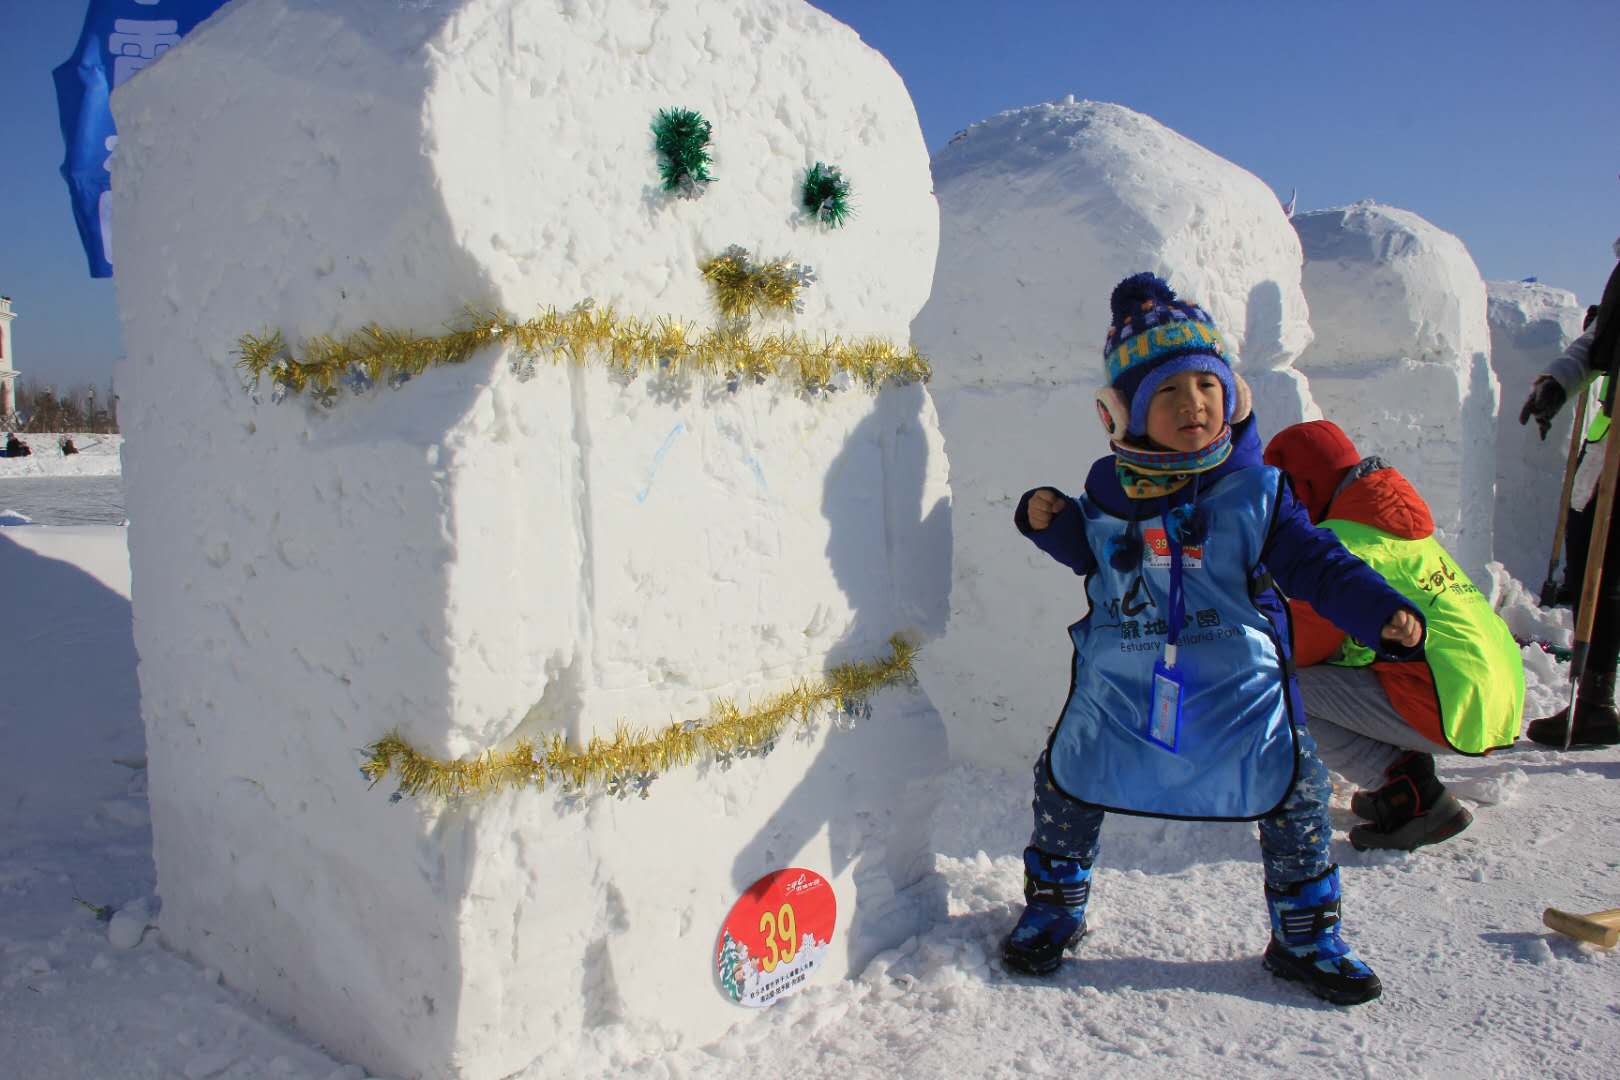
x,y
1498,120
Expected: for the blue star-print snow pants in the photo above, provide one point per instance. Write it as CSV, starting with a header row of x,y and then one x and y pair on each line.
x,y
1293,841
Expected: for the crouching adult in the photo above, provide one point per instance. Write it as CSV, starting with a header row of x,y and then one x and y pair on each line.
x,y
1380,723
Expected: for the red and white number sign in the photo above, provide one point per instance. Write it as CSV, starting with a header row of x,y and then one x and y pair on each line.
x,y
775,936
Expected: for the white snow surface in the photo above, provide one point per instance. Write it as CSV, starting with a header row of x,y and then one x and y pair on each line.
x,y
1168,982
1531,324
98,456
474,558
1402,359
1043,210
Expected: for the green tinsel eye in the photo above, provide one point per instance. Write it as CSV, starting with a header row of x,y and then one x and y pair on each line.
x,y
825,196
682,139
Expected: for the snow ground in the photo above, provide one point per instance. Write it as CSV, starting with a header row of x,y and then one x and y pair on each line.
x,y
98,456
1168,983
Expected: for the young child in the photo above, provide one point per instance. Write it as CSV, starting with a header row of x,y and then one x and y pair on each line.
x,y
1182,700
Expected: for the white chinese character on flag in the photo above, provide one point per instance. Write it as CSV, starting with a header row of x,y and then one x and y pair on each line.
x,y
135,43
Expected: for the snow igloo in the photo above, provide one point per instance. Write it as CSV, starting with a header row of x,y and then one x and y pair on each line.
x,y
1530,325
1043,210
503,551
1402,359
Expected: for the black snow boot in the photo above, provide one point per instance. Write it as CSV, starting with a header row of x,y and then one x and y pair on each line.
x,y
1412,810
1305,944
1596,722
1055,894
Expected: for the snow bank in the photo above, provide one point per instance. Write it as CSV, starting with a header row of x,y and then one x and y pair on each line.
x,y
1193,1003
473,558
1043,210
98,551
1402,359
98,456
1530,325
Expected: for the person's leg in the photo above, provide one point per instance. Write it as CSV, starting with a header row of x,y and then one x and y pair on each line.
x,y
1302,891
1057,877
1577,541
1360,735
1596,721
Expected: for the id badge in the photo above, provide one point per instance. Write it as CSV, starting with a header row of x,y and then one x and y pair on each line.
x,y
1164,723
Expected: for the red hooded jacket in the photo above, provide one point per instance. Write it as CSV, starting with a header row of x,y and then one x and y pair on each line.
x,y
1318,456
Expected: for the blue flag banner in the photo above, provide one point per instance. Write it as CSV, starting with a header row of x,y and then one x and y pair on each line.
x,y
120,37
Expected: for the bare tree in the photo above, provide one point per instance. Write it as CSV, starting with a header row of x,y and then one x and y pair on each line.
x,y
80,408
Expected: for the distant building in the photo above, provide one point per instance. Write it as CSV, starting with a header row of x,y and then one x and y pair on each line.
x,y
8,374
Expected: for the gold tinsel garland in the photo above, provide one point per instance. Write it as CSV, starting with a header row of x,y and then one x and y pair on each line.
x,y
631,760
625,344
743,288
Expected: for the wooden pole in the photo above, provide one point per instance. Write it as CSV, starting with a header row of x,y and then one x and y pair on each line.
x,y
1549,588
1594,576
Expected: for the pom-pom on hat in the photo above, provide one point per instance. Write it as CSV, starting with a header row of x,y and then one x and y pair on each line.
x,y
1315,455
1152,336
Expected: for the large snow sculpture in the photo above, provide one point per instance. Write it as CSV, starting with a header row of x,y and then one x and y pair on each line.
x,y
489,553
1042,211
1402,359
1530,324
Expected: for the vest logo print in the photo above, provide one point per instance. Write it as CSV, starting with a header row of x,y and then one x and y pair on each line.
x,y
1158,551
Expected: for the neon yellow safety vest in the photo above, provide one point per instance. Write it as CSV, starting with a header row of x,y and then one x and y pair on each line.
x,y
1599,426
1478,669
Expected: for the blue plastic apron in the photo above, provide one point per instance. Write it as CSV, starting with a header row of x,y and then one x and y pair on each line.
x,y
1234,752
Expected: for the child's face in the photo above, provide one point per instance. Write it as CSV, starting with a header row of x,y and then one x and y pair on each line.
x,y
1187,411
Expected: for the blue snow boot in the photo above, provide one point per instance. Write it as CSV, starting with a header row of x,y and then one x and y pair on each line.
x,y
1305,943
1055,894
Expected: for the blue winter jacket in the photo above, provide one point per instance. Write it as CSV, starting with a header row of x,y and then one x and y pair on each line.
x,y
1296,559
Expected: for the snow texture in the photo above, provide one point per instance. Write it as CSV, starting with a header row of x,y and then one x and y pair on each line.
x,y
1042,211
472,558
97,456
1402,359
1531,324
1167,984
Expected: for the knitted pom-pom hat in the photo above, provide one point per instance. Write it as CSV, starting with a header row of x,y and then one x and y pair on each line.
x,y
1153,336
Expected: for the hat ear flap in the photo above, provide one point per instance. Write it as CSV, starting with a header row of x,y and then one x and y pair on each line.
x,y
1242,400
1114,412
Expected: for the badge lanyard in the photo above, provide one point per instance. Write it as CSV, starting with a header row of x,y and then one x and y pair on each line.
x,y
1164,723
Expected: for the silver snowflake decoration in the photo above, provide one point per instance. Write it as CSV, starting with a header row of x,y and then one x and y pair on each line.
x,y
523,366
853,710
644,781
357,379
398,379
760,749
802,276
619,785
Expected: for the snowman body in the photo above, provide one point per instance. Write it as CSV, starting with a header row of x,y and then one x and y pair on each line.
x,y
497,551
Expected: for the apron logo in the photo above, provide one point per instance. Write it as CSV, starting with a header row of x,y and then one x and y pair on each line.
x,y
1158,551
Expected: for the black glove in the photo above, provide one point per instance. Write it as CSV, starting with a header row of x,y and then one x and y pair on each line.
x,y
1546,398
